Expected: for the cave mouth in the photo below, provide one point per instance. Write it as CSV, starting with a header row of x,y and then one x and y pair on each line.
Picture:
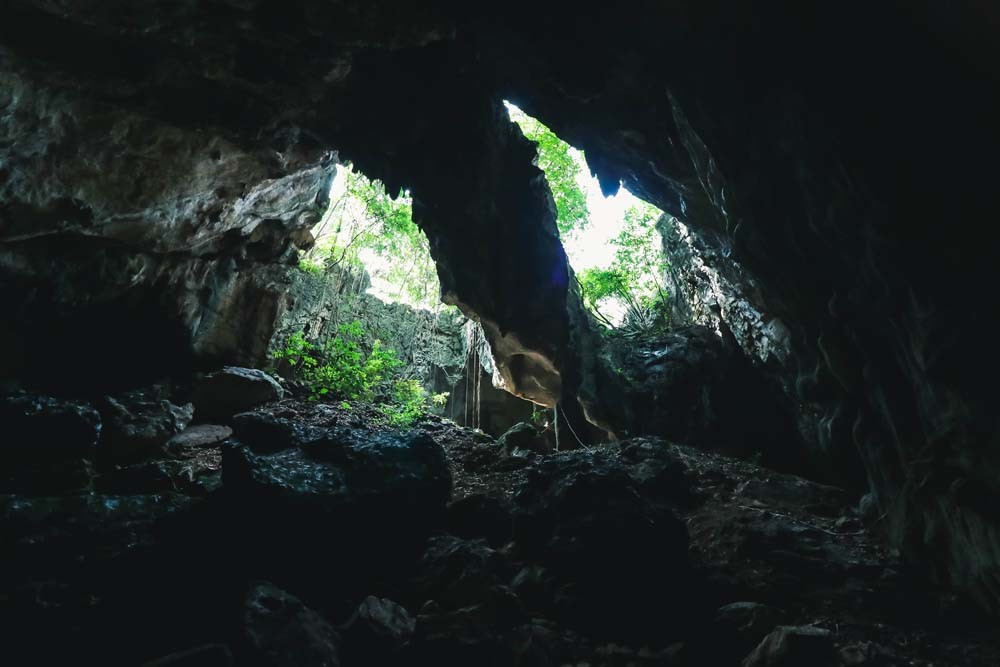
x,y
367,326
178,153
612,241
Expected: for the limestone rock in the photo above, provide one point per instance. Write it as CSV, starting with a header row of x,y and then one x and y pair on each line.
x,y
790,646
265,431
728,404
523,437
200,435
222,394
129,180
377,631
742,626
577,509
137,425
351,499
283,632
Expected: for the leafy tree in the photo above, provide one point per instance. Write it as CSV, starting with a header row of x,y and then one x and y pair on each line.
x,y
364,218
636,276
561,167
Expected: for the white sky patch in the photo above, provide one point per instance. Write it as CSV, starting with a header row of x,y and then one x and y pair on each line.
x,y
591,247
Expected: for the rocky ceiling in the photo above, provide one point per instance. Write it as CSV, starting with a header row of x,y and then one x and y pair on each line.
x,y
173,154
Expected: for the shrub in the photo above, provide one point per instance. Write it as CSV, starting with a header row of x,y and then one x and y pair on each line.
x,y
342,369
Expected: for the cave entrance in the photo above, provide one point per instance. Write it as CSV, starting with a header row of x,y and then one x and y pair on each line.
x,y
369,234
612,243
368,324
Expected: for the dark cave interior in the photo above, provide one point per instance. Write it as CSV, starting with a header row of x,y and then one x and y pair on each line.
x,y
803,470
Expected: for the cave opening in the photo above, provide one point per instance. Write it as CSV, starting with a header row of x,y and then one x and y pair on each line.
x,y
245,418
612,241
368,324
366,230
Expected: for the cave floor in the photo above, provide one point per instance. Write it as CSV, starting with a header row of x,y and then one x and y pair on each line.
x,y
143,567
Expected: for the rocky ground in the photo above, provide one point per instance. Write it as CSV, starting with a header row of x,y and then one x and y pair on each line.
x,y
310,534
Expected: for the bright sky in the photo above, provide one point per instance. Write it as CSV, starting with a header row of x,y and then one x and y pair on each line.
x,y
593,248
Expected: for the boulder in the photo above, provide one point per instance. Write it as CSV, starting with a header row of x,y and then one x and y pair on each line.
x,y
692,386
282,632
791,646
523,437
789,491
226,392
458,573
267,432
48,444
615,551
194,476
471,614
740,626
337,508
201,435
138,424
377,632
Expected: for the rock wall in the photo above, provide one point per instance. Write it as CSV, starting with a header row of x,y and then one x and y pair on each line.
x,y
429,344
120,234
446,351
844,152
709,287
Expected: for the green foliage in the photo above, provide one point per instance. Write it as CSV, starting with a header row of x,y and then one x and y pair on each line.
x,y
409,403
310,267
340,368
561,167
367,228
343,369
540,416
636,277
634,280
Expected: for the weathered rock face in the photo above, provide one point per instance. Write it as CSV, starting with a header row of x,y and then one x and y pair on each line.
x,y
137,425
121,233
710,288
428,343
226,392
474,399
282,631
586,503
768,560
326,501
445,350
851,181
691,385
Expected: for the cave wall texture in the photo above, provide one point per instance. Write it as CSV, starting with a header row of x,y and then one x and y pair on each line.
x,y
170,155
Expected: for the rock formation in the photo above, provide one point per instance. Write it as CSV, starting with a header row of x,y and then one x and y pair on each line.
x,y
159,163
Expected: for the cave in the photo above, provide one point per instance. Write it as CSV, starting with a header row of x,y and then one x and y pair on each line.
x,y
790,466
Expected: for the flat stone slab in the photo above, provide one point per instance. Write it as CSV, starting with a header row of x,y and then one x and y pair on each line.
x,y
202,435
